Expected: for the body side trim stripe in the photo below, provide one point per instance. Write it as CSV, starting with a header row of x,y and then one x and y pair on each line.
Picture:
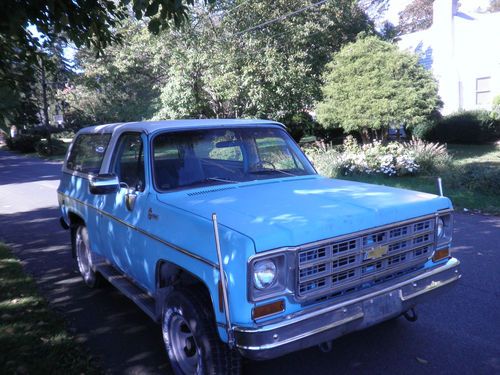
x,y
142,231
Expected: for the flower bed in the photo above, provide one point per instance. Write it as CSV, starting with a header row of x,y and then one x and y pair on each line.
x,y
390,159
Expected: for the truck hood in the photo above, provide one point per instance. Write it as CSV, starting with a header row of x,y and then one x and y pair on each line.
x,y
294,211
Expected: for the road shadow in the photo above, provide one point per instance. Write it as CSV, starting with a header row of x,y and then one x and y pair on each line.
x,y
103,319
18,169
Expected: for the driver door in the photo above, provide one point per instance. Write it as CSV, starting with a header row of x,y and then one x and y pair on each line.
x,y
125,208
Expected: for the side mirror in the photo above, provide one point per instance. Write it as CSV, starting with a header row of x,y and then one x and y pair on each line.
x,y
104,184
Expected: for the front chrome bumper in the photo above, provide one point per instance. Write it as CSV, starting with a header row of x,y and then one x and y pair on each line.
x,y
310,328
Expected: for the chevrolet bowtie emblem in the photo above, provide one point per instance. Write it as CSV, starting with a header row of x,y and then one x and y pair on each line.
x,y
376,252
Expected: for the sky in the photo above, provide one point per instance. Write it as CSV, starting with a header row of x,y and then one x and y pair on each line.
x,y
466,6
395,7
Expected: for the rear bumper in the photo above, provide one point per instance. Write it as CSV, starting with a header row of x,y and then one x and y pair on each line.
x,y
314,327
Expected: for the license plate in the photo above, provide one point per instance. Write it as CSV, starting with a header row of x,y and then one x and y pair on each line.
x,y
382,307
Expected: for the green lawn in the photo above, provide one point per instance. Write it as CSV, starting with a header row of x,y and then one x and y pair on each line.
x,y
468,154
33,339
461,198
481,156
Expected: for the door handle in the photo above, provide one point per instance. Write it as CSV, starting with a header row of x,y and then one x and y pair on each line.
x,y
151,215
130,198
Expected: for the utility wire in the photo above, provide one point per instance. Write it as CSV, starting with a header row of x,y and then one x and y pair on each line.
x,y
231,10
281,18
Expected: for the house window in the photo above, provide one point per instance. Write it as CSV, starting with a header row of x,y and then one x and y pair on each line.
x,y
483,91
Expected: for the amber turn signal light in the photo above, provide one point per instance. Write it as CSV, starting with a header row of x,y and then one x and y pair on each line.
x,y
268,309
441,254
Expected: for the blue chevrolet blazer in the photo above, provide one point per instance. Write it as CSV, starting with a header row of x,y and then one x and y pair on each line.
x,y
223,232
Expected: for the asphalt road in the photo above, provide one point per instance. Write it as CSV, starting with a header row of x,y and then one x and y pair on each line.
x,y
457,334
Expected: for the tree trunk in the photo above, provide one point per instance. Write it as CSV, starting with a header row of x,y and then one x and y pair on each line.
x,y
384,134
365,135
46,110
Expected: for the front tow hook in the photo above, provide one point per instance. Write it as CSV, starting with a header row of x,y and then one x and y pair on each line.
x,y
411,315
326,346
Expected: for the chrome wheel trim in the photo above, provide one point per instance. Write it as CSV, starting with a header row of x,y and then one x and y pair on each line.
x,y
83,256
182,343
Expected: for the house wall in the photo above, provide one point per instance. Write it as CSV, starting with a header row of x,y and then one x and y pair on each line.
x,y
460,49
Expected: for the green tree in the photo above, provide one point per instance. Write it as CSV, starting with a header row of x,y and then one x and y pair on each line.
x,y
371,86
118,86
84,22
258,59
27,89
494,6
216,65
416,16
17,94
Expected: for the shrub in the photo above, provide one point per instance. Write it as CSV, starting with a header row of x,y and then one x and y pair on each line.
x,y
331,134
58,147
431,157
391,159
23,143
68,134
371,85
326,158
298,124
466,127
423,131
495,110
474,177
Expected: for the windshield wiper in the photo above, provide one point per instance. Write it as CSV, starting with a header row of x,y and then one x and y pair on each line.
x,y
221,180
272,171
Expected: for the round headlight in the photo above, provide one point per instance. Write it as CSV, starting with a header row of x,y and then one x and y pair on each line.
x,y
440,228
264,274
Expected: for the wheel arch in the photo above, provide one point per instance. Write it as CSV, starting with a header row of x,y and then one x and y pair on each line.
x,y
74,221
170,276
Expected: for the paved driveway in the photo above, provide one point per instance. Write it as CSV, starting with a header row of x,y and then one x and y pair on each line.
x,y
457,334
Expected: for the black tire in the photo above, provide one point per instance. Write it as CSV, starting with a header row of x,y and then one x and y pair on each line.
x,y
83,256
191,339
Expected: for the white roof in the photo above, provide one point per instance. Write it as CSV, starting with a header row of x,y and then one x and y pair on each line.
x,y
152,126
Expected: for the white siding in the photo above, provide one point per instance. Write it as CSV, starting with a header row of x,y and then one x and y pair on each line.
x,y
460,48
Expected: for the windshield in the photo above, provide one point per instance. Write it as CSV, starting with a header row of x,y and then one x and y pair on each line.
x,y
223,156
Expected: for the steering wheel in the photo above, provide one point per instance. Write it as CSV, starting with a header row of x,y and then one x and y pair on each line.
x,y
262,164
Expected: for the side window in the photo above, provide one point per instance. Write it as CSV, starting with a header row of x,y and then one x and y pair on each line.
x,y
274,151
87,153
129,161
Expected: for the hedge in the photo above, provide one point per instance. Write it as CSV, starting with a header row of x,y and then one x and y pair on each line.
x,y
465,127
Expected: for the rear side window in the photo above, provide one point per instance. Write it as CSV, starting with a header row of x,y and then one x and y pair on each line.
x,y
87,153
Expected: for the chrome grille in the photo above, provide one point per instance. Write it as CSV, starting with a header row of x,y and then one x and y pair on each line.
x,y
349,263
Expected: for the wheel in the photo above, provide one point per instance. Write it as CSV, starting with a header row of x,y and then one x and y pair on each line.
x,y
84,257
191,338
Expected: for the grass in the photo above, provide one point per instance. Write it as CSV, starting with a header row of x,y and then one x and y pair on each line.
x,y
475,154
479,156
33,339
461,198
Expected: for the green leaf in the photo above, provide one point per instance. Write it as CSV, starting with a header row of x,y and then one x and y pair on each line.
x,y
154,25
152,9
